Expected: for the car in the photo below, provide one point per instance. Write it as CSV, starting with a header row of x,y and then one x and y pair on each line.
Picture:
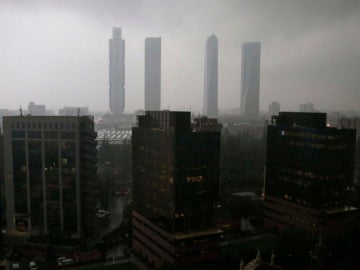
x,y
15,266
62,261
32,266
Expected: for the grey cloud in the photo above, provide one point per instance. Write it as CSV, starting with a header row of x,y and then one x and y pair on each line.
x,y
309,50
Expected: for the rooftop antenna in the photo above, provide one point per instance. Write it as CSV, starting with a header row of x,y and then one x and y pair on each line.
x,y
21,112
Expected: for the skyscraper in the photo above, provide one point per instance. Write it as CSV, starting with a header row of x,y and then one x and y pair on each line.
x,y
175,188
250,79
211,77
309,172
117,72
153,74
50,174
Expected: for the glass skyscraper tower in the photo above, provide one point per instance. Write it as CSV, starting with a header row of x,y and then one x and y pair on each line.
x,y
153,74
250,79
211,77
117,72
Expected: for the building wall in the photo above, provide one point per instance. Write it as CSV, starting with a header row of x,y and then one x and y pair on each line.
x,y
274,109
43,172
309,167
74,111
211,77
158,246
175,184
250,79
153,74
117,72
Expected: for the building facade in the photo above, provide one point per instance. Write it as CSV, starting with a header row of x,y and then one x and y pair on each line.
x,y
153,74
74,111
274,109
36,109
350,122
175,188
309,174
211,77
117,72
250,79
307,107
50,171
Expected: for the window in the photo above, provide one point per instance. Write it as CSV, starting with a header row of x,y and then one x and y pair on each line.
x,y
51,134
68,135
34,134
18,133
64,161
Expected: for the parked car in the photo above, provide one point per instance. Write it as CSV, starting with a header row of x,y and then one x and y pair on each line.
x,y
32,266
62,261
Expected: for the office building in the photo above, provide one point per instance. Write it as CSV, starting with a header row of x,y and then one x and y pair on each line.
x,y
350,122
153,74
206,124
50,171
274,109
36,109
309,174
117,72
74,111
175,188
250,79
211,77
307,107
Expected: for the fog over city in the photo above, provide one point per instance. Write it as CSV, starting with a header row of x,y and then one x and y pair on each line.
x,y
56,52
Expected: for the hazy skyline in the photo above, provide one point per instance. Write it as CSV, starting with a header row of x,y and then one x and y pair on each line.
x,y
56,52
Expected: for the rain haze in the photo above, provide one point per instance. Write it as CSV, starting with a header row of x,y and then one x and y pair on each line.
x,y
56,52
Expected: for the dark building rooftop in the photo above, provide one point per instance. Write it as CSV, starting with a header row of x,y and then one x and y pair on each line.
x,y
165,120
300,119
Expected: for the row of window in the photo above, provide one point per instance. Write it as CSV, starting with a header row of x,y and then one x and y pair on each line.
x,y
38,125
37,134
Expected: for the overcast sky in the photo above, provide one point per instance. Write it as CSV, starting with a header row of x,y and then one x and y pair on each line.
x,y
55,52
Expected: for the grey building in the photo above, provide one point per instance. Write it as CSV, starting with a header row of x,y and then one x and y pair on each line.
x,y
74,111
211,77
250,79
274,109
36,109
50,171
153,74
307,107
117,72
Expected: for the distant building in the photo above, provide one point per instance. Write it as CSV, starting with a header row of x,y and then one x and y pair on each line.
x,y
350,122
206,124
74,111
50,174
6,112
307,107
114,136
36,110
175,189
250,79
122,121
274,109
211,77
309,174
153,74
117,72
